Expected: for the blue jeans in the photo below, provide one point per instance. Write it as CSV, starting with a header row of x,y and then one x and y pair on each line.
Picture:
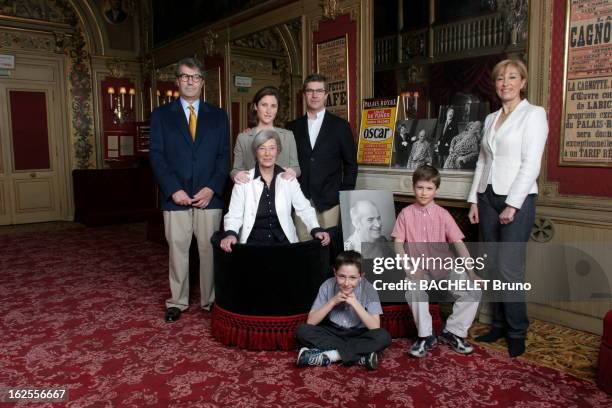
x,y
507,261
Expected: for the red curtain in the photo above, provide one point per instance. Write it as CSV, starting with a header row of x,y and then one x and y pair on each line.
x,y
470,76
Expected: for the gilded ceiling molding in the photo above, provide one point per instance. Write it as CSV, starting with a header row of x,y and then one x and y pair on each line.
x,y
167,73
56,11
209,43
267,39
116,67
61,42
27,41
351,9
331,9
247,66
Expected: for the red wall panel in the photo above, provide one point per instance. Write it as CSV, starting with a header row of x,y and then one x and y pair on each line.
x,y
29,130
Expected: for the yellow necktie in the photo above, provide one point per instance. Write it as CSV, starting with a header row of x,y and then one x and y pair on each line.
x,y
192,122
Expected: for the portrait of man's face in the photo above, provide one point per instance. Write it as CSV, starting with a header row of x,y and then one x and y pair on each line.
x,y
114,11
367,221
450,113
368,217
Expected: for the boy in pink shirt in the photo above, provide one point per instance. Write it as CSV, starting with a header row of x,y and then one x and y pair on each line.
x,y
420,229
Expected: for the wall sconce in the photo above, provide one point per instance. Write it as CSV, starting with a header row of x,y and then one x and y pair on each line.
x,y
121,111
168,97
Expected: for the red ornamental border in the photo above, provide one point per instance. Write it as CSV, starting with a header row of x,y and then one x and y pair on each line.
x,y
278,332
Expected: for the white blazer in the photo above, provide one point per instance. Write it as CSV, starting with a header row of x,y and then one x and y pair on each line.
x,y
245,200
513,155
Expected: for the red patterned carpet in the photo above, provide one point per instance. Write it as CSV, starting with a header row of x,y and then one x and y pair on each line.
x,y
83,309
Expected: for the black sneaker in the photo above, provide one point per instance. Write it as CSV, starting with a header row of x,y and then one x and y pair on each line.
x,y
370,361
422,345
313,357
457,343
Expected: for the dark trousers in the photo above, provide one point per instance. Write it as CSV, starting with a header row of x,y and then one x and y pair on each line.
x,y
507,261
350,343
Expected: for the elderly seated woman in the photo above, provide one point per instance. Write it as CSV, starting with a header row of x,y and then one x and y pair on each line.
x,y
464,148
260,210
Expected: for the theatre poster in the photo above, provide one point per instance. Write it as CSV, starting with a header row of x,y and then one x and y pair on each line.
x,y
587,112
332,62
378,117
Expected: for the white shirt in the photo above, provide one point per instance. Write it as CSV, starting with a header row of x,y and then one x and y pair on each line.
x,y
196,106
314,126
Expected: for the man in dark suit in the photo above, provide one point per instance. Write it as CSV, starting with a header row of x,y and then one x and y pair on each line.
x,y
326,153
189,154
448,133
402,146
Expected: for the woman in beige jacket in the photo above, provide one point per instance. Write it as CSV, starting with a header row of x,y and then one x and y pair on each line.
x,y
265,107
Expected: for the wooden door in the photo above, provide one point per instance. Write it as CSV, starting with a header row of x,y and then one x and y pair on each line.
x,y
29,123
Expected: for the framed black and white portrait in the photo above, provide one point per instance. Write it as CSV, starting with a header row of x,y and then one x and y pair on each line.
x,y
367,216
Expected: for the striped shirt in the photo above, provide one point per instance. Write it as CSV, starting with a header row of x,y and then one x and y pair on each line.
x,y
431,223
427,232
343,314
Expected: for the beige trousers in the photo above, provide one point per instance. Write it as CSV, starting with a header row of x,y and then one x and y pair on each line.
x,y
464,309
327,219
179,227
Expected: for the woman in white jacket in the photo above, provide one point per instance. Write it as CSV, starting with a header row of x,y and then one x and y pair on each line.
x,y
260,209
503,195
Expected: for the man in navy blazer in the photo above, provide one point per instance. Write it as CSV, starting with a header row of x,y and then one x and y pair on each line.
x,y
326,153
189,153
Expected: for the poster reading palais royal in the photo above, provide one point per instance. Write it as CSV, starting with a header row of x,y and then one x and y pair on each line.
x,y
587,114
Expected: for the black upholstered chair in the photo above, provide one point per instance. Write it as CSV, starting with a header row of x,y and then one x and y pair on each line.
x,y
262,292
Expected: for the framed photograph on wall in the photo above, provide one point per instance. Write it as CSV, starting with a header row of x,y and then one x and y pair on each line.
x,y
212,87
458,136
332,61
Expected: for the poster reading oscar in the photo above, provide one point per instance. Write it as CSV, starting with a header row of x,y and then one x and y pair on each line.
x,y
376,134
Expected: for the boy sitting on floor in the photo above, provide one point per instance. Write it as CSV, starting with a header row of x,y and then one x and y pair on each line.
x,y
344,321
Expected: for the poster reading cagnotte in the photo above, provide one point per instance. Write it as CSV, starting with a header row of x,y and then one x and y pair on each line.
x,y
587,121
332,62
